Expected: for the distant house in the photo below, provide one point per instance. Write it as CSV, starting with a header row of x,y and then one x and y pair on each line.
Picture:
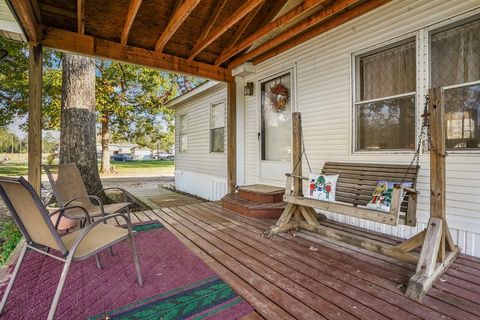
x,y
139,153
117,148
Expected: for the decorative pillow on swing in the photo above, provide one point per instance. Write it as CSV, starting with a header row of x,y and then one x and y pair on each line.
x,y
322,187
382,195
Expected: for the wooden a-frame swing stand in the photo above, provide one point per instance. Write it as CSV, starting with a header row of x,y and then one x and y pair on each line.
x,y
438,250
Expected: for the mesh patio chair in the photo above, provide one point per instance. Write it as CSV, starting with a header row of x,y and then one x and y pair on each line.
x,y
40,234
69,189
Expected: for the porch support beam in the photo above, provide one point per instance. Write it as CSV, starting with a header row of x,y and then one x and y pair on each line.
x,y
28,21
175,22
241,12
131,14
231,137
305,30
243,26
81,16
300,11
35,116
91,46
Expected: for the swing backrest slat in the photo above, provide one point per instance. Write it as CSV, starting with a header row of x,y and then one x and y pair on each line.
x,y
357,181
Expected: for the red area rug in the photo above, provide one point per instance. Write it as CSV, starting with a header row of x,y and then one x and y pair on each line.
x,y
177,285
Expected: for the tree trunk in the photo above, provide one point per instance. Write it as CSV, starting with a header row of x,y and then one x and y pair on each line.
x,y
105,166
77,133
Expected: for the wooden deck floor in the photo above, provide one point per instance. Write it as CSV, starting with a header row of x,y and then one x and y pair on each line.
x,y
285,278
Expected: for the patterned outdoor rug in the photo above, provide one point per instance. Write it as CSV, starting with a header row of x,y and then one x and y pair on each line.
x,y
177,285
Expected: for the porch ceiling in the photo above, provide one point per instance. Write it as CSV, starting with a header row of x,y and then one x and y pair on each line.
x,y
205,38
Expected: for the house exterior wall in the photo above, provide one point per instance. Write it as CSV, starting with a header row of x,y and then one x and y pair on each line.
x,y
322,69
198,171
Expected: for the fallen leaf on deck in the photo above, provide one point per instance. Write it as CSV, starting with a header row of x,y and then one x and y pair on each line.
x,y
312,248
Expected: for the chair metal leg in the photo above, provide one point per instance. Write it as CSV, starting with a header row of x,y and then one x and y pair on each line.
x,y
97,259
60,285
12,279
135,259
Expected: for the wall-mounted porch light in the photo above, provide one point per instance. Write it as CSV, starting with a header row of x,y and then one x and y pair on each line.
x,y
248,89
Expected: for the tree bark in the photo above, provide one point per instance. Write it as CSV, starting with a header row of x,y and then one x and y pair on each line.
x,y
77,133
105,165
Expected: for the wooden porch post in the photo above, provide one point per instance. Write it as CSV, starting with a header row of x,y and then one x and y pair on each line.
x,y
231,137
35,116
297,152
438,250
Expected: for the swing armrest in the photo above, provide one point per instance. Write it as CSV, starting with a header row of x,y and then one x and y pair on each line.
x,y
295,176
410,190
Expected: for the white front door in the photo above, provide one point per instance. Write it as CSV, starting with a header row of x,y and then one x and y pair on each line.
x,y
275,130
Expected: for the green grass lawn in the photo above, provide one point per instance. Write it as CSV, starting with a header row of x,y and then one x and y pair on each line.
x,y
127,167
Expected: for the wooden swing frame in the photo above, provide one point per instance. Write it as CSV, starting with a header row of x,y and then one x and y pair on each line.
x,y
438,251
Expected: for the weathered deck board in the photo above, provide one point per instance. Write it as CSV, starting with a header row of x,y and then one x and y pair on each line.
x,y
283,279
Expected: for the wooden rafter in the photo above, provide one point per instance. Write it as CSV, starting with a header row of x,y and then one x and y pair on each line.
x,y
317,18
177,19
243,26
26,15
212,19
57,11
81,16
241,12
302,10
331,24
132,12
88,45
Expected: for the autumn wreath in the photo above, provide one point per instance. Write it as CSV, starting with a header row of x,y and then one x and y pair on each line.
x,y
278,96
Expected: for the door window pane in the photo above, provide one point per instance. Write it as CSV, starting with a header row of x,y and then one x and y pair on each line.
x,y
276,117
182,133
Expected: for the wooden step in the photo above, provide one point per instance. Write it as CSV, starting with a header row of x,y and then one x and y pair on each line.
x,y
253,209
261,193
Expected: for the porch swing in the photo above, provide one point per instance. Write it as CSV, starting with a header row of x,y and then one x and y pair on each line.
x,y
355,185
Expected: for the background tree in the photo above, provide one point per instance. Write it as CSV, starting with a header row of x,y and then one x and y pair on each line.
x,y
77,134
14,84
131,105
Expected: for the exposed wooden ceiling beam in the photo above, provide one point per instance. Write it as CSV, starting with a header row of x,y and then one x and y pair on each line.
x,y
81,16
331,24
212,19
58,11
314,20
222,28
177,19
243,26
132,12
302,10
25,13
95,47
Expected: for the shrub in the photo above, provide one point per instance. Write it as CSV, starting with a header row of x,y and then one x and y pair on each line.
x,y
9,237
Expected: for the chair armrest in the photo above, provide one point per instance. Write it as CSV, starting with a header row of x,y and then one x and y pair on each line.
x,y
89,228
97,199
61,212
124,192
296,177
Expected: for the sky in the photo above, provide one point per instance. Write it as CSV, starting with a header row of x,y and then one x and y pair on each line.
x,y
15,128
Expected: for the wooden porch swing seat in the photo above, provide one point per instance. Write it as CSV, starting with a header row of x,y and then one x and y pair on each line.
x,y
355,186
354,189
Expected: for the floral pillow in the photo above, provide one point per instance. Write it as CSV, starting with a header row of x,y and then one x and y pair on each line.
x,y
322,187
382,195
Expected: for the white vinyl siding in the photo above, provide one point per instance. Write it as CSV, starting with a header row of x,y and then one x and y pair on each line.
x,y
324,90
199,171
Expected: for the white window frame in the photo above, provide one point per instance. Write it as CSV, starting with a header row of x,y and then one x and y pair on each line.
x,y
439,27
181,133
355,57
210,128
